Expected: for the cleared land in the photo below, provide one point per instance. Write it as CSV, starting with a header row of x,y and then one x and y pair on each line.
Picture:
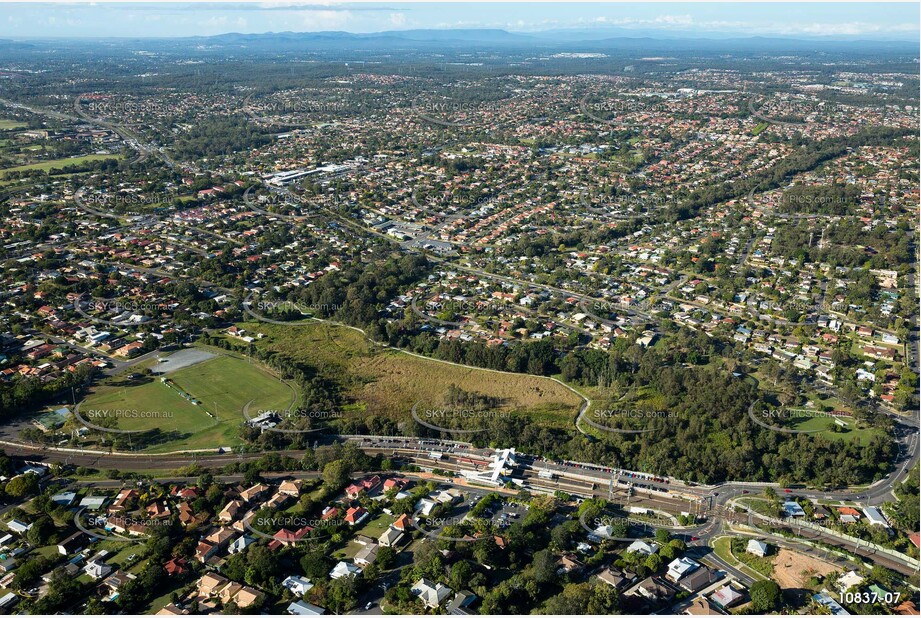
x,y
793,569
223,385
387,383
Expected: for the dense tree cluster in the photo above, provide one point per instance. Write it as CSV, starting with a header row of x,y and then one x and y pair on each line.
x,y
219,136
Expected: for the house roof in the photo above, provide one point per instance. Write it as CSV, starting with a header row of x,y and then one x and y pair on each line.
x,y
701,607
303,608
616,577
431,594
754,545
726,596
403,522
699,578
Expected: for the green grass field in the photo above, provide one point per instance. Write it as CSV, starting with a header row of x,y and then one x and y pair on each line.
x,y
58,163
850,432
387,383
722,547
216,383
6,124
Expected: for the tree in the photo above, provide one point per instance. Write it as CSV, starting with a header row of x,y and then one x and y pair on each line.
x,y
461,572
40,532
386,557
765,596
544,567
653,562
22,485
561,537
336,474
668,552
342,594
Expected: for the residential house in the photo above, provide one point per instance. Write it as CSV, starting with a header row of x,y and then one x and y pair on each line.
x,y
679,567
849,580
617,578
97,569
210,583
366,555
291,488
653,589
303,608
758,548
344,569
726,597
461,604
793,509
356,515
390,537
113,582
299,586
834,608
231,511
699,578
701,607
74,543
431,594
253,493
240,544
875,517
176,567
643,548
364,485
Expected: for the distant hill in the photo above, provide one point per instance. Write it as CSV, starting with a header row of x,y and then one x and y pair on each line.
x,y
561,40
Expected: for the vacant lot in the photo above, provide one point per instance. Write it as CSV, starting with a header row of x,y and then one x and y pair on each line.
x,y
222,385
793,569
387,383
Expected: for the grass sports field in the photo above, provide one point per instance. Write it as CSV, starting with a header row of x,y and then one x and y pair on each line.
x,y
387,383
6,124
215,382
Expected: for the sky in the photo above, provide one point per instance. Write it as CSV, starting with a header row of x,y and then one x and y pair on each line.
x,y
103,19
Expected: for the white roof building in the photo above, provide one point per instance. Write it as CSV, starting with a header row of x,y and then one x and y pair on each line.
x,y
679,567
825,599
18,527
344,569
298,585
642,547
303,608
97,570
758,548
875,517
497,471
240,544
849,580
431,595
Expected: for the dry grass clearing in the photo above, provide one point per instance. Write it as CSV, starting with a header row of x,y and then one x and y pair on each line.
x,y
793,569
387,383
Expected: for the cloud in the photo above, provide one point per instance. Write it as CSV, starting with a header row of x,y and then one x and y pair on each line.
x,y
317,21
